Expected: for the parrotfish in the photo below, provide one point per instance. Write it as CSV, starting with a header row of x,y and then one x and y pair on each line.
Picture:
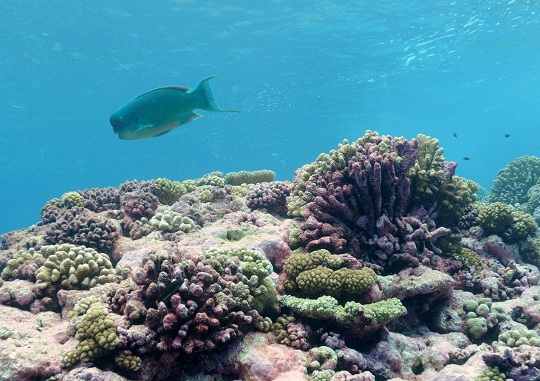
x,y
161,110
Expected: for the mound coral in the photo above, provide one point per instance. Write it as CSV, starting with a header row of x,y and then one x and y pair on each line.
x,y
101,199
253,177
271,196
495,218
81,227
169,191
321,273
513,181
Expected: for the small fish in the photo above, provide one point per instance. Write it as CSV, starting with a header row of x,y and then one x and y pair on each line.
x,y
466,158
455,134
169,290
161,110
506,135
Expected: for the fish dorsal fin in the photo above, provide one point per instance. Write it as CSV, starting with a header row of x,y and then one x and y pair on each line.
x,y
182,89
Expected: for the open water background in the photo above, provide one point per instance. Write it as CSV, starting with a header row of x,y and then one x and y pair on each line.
x,y
305,74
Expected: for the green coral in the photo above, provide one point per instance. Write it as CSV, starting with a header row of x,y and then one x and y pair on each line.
x,y
491,374
169,191
321,273
72,199
530,251
513,181
456,195
427,173
516,337
23,265
327,307
213,178
325,281
523,226
168,221
256,290
128,362
469,258
74,267
95,329
495,218
479,318
477,326
253,177
298,263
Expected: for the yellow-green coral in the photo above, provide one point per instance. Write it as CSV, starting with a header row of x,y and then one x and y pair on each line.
x,y
71,199
517,337
456,195
523,226
213,178
74,267
495,218
256,290
491,374
23,265
168,221
530,251
427,173
95,330
253,177
327,307
128,362
300,262
513,181
169,191
469,258
325,281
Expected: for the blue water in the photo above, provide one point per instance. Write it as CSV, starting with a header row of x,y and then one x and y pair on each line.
x,y
305,75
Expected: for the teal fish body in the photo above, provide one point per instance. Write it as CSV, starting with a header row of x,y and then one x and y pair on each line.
x,y
161,110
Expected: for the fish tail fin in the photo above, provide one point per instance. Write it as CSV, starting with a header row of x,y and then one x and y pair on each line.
x,y
207,100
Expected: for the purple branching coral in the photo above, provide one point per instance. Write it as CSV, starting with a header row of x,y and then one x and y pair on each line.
x,y
358,201
80,226
193,305
271,196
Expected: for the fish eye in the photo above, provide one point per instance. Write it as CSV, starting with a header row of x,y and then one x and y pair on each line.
x,y
121,119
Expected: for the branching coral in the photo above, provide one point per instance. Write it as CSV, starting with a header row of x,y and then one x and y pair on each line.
x,y
96,331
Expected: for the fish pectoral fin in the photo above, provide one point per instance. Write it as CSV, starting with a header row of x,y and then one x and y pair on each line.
x,y
190,118
144,126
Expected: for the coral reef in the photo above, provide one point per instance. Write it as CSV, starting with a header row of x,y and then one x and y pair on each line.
x,y
375,263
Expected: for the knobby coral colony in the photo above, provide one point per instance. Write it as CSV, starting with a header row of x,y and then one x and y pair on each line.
x,y
387,242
